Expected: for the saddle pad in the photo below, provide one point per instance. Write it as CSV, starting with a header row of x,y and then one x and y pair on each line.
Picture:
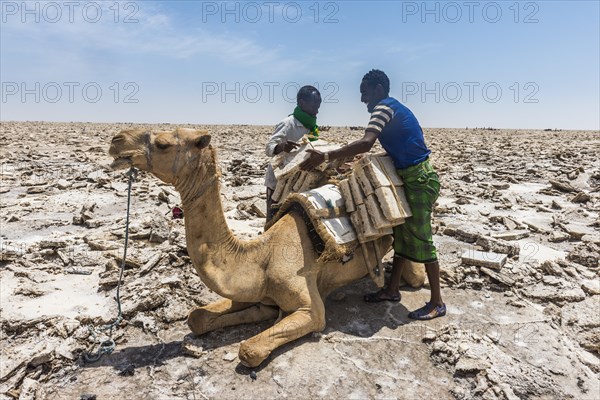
x,y
337,222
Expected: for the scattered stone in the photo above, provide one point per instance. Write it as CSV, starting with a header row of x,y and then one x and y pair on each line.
x,y
589,339
130,262
553,311
175,309
140,236
92,223
66,260
153,262
466,365
498,246
586,255
571,271
52,244
575,231
77,271
516,303
562,186
552,280
509,223
147,323
145,301
581,197
429,336
591,287
66,349
35,190
508,392
97,176
63,184
552,268
483,259
439,346
229,356
590,360
100,245
29,388
29,289
535,227
461,234
43,356
108,282
501,185
192,346
558,236
163,196
591,238
583,314
159,229
499,277
172,281
511,235
86,214
546,293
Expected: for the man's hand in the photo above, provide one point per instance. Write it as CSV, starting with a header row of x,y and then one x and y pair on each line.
x,y
314,159
286,146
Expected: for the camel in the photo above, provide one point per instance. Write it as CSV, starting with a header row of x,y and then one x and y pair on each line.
x,y
273,275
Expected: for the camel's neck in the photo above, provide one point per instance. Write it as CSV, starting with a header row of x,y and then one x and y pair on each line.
x,y
205,222
214,250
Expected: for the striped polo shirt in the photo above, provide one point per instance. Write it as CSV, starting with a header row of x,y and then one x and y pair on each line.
x,y
399,133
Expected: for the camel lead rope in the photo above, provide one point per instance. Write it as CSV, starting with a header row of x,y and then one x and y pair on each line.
x,y
107,346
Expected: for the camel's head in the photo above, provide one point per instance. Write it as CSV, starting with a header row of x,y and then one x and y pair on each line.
x,y
169,156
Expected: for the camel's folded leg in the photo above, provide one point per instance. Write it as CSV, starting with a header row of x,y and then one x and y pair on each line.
x,y
227,313
301,322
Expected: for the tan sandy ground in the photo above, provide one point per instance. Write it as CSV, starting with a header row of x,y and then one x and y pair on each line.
x,y
531,332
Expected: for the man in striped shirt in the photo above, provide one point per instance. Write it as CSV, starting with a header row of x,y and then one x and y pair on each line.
x,y
400,134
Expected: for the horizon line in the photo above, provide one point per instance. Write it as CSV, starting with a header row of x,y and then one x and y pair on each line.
x,y
270,125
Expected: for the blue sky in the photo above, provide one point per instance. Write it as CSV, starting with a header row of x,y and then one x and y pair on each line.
x,y
504,64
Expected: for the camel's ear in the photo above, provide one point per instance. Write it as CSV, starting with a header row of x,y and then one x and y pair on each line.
x,y
203,141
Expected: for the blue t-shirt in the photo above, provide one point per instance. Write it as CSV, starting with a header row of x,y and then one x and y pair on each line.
x,y
399,133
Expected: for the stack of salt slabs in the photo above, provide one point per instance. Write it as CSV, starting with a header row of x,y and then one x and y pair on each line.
x,y
374,197
290,178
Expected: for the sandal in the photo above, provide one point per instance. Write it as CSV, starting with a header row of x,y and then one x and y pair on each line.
x,y
428,312
380,296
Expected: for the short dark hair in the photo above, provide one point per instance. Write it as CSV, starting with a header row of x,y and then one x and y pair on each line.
x,y
306,92
376,77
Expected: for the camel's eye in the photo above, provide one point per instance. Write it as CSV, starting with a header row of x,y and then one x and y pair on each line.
x,y
162,144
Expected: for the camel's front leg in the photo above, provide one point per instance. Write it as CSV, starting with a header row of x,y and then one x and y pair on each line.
x,y
226,312
301,322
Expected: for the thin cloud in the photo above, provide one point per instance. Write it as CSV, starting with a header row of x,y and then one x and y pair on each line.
x,y
154,33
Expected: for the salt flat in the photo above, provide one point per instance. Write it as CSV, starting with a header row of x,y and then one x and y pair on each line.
x,y
533,335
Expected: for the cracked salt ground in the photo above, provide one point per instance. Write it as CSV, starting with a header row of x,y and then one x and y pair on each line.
x,y
526,330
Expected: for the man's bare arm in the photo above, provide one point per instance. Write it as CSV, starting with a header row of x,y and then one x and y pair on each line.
x,y
359,146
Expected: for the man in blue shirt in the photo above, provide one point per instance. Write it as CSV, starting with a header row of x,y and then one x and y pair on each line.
x,y
401,136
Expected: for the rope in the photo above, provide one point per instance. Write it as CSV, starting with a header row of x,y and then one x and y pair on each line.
x,y
107,346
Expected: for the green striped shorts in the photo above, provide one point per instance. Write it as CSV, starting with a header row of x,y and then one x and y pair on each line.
x,y
413,240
